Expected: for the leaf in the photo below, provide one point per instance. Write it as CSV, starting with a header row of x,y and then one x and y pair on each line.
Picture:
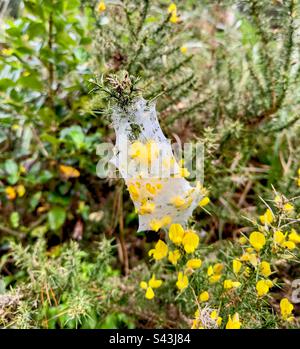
x,y
5,83
56,217
30,82
14,219
34,201
11,168
39,231
36,29
76,134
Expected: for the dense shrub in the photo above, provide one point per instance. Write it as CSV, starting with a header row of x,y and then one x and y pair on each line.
x,y
224,74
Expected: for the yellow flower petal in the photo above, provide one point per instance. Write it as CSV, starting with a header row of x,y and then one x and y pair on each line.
x,y
154,283
286,308
205,201
194,263
143,285
288,208
176,233
294,237
182,281
265,269
234,322
278,238
289,245
149,293
236,266
183,49
69,171
218,267
10,193
172,8
160,251
101,7
204,296
177,201
257,240
147,208
267,218
21,190
174,256
262,287
214,278
190,241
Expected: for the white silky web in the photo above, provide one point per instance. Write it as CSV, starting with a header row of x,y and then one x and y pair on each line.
x,y
155,180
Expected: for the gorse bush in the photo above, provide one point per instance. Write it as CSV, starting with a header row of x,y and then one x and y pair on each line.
x,y
63,287
225,74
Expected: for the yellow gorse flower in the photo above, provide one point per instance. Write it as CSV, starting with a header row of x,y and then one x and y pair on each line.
x,y
218,268
178,202
183,49
153,283
286,308
10,193
157,224
234,322
236,266
197,324
174,256
280,240
228,284
147,208
101,7
182,281
265,269
134,191
210,270
215,316
176,233
288,208
203,296
267,218
278,237
294,236
257,240
249,257
190,241
194,263
21,190
69,171
205,201
172,9
144,153
263,287
160,251
214,272
243,240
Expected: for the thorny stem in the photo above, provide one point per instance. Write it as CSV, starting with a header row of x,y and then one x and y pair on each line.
x,y
121,230
143,17
12,232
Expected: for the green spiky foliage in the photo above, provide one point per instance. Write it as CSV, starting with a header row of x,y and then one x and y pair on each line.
x,y
234,88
